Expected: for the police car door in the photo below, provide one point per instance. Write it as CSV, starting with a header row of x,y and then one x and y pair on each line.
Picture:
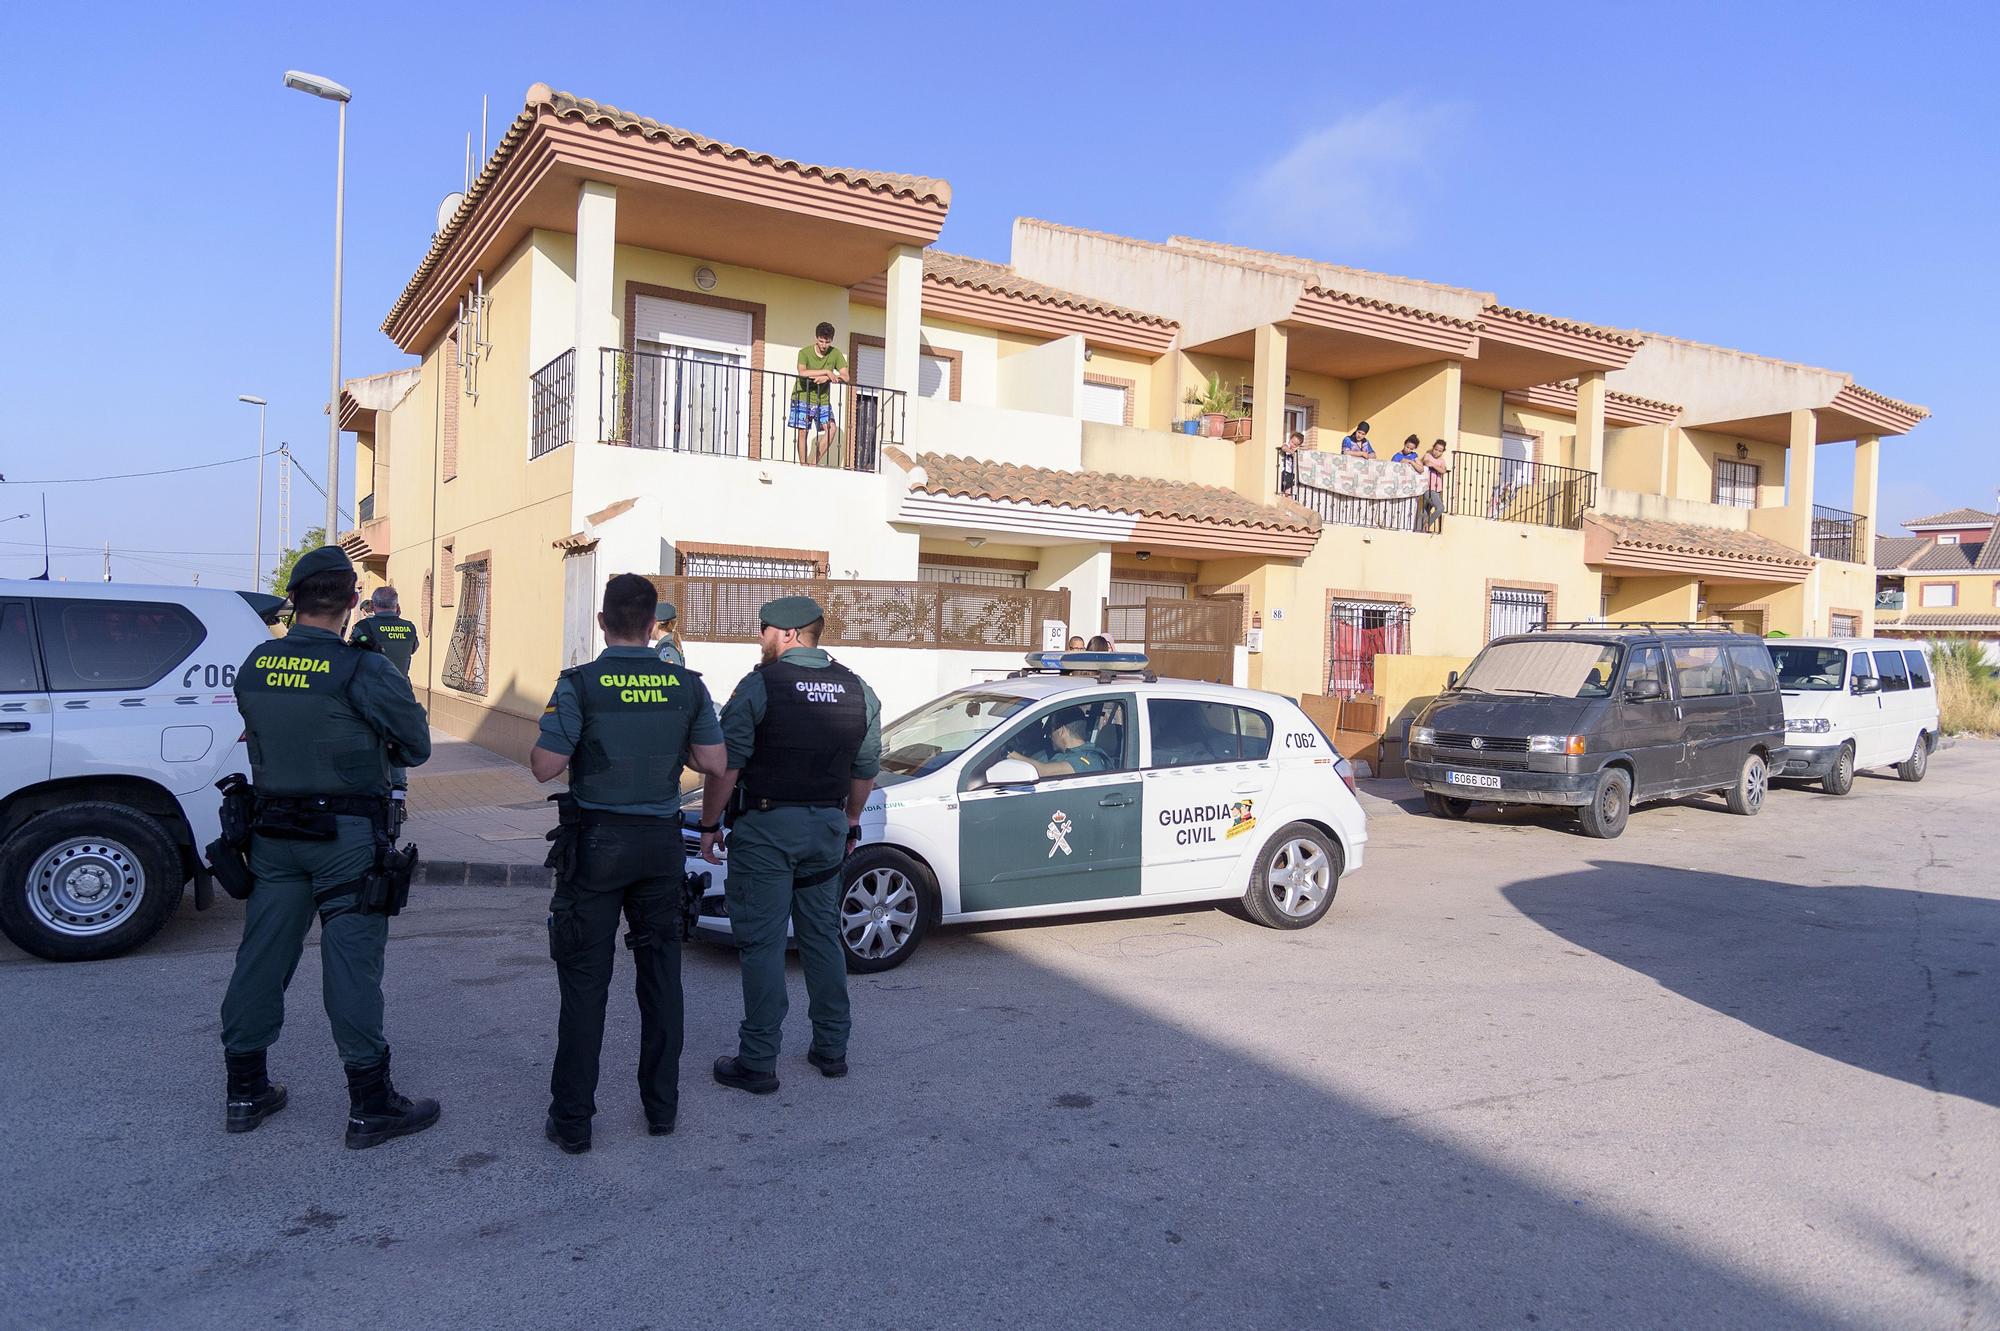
x,y
1065,838
25,723
1209,774
127,702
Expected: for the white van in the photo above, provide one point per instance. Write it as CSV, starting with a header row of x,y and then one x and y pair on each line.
x,y
1855,702
117,718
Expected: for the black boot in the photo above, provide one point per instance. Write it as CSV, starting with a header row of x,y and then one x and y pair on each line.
x,y
251,1096
377,1111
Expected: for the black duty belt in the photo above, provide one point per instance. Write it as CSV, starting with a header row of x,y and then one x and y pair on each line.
x,y
353,806
605,818
752,804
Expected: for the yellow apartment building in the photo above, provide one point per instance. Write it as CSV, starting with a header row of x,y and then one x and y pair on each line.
x,y
1941,581
606,333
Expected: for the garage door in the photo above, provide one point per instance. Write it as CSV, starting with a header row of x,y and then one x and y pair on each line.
x,y
1104,403
933,372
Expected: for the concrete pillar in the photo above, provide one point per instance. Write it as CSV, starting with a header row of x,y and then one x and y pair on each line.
x,y
597,312
1801,466
1590,422
1085,572
1257,459
1867,485
903,320
1454,387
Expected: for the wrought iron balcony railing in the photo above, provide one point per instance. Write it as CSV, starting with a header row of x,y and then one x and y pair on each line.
x,y
1838,534
551,390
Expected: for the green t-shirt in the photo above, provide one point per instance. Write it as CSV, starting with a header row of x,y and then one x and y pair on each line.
x,y
809,359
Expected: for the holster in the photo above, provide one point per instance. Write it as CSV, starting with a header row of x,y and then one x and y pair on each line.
x,y
228,855
384,888
564,837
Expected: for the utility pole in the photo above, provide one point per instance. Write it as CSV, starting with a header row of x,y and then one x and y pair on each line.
x,y
107,561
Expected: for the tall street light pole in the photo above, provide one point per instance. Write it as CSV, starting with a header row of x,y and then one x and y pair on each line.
x,y
333,92
257,550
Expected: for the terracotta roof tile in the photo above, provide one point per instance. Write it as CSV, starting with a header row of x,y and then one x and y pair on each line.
x,y
1893,552
1407,311
1989,556
975,478
1565,325
979,274
1941,558
1941,619
1689,538
1957,517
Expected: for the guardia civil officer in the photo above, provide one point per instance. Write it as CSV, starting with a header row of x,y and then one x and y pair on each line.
x,y
622,725
385,629
324,721
669,643
804,737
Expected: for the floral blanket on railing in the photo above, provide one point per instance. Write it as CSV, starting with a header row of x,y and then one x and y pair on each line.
x,y
1359,478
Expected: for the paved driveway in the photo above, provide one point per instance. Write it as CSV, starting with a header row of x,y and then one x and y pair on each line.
x,y
1720,1073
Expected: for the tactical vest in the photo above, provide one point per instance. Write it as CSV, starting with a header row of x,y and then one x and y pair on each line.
x,y
636,717
396,636
305,734
814,723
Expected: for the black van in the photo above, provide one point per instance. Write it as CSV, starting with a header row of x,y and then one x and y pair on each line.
x,y
1600,717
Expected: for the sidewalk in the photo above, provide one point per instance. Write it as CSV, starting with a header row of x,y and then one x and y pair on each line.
x,y
478,818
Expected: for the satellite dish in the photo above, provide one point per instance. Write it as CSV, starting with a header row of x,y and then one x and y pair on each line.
x,y
449,209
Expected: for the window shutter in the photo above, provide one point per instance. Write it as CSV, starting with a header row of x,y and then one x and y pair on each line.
x,y
683,323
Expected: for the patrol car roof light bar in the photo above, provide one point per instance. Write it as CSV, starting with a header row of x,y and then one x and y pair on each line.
x,y
1106,667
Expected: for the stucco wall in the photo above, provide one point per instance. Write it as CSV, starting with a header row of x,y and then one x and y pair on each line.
x,y
997,434
1413,401
1694,472
1135,452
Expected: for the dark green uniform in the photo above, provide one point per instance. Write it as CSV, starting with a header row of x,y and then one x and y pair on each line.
x,y
799,735
396,637
322,719
625,721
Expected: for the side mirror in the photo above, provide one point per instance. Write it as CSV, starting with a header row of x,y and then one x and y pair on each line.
x,y
1012,772
1867,684
1644,690
1451,680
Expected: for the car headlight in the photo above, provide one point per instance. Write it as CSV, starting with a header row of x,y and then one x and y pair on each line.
x,y
1808,725
1568,744
1423,735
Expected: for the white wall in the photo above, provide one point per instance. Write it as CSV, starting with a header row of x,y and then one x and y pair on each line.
x,y
1026,438
1666,508
1048,378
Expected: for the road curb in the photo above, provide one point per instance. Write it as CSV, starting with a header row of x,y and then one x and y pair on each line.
x,y
481,873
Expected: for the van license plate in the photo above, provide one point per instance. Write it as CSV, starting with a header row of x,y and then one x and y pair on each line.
x,y
1484,780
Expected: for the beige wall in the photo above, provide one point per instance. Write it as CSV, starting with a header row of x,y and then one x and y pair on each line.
x,y
1671,598
1135,452
1413,401
1694,470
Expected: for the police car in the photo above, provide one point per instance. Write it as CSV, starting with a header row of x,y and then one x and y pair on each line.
x,y
116,721
1084,784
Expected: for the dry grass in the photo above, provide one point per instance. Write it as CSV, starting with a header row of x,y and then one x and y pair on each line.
x,y
1968,692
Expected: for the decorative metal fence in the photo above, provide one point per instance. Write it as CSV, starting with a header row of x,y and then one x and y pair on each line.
x,y
862,613
551,390
1505,489
471,636
685,404
1838,534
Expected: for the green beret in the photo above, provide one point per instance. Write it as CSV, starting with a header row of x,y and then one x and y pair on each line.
x,y
326,559
666,614
790,612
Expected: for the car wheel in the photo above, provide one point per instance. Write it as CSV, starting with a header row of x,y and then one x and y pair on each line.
x,y
1918,764
1753,779
1444,806
1604,817
87,881
887,904
1841,779
1297,874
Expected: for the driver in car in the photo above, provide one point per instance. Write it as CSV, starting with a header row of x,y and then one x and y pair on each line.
x,y
1070,751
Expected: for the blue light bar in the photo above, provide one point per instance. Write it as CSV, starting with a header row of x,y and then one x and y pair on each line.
x,y
1088,663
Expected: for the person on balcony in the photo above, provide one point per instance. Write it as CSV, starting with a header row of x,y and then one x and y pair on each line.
x,y
1434,468
1288,462
820,367
1410,454
1356,445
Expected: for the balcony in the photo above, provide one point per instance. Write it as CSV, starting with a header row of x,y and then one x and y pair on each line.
x,y
1889,600
1363,492
1838,534
550,391
685,404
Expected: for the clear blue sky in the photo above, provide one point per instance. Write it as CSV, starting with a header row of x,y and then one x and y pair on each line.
x,y
1809,182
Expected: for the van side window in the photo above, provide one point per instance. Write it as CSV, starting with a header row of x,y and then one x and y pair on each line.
x,y
1895,675
1646,664
1920,669
1754,671
17,651
1700,671
90,645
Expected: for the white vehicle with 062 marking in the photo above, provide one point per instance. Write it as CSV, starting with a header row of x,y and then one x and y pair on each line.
x,y
1081,785
117,718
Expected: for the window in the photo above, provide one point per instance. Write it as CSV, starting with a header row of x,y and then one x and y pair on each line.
x,y
1647,666
114,644
1920,669
1515,610
698,565
1895,675
1108,404
936,733
1845,626
1811,669
17,651
1937,594
972,577
1543,668
1357,632
1298,416
1125,608
465,659
1186,733
1949,538
1736,483
1700,671
1077,739
934,372
1754,670
1862,667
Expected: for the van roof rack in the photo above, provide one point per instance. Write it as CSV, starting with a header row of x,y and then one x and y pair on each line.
x,y
1636,626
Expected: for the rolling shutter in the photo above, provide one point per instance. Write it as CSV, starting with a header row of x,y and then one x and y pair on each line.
x,y
871,370
1104,403
682,324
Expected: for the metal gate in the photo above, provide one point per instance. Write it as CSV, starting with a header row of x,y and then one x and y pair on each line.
x,y
1194,639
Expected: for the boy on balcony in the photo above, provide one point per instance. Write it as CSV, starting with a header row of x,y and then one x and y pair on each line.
x,y
820,367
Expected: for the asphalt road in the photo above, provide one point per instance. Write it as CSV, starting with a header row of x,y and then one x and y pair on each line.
x,y
1723,1072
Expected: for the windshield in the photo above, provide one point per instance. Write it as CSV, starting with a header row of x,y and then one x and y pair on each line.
x,y
1547,668
939,731
1810,669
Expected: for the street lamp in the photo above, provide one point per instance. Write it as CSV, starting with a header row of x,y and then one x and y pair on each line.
x,y
257,550
332,92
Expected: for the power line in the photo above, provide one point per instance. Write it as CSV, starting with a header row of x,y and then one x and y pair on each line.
x,y
317,486
136,475
130,550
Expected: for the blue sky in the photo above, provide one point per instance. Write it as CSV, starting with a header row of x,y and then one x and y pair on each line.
x,y
1811,182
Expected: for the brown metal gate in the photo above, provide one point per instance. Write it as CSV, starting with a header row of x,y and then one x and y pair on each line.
x,y
1194,639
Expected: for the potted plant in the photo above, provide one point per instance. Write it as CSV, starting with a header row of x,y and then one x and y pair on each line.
x,y
1192,425
1216,403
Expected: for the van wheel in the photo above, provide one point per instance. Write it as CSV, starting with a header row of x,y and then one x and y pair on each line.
x,y
1841,779
1918,764
1444,806
1297,874
1752,780
1604,817
87,881
887,904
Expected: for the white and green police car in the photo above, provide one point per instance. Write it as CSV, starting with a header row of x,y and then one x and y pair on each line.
x,y
1083,784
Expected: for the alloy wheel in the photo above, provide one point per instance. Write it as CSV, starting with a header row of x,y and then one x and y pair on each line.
x,y
1301,875
878,913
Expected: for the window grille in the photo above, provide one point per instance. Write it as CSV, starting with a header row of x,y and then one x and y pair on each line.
x,y
465,660
1515,610
1736,483
972,577
746,566
1359,632
1844,626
